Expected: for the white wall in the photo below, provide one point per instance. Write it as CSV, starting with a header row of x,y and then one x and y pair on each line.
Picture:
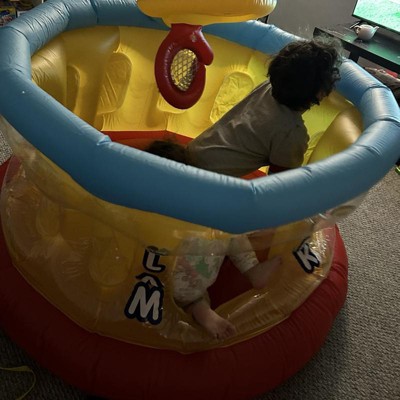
x,y
302,16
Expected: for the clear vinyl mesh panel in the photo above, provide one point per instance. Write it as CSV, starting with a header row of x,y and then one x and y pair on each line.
x,y
111,269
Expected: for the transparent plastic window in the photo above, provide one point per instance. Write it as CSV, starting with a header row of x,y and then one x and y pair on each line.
x,y
134,275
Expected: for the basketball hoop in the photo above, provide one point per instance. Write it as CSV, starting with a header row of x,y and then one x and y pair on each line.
x,y
180,65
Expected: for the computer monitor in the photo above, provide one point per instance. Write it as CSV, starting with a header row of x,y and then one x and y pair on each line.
x,y
384,13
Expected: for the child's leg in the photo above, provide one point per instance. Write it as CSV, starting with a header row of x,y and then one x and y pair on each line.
x,y
215,325
260,273
246,261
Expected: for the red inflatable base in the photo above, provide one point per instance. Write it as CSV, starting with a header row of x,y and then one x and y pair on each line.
x,y
116,370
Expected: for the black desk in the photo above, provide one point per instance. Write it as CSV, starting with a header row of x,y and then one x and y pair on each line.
x,y
382,49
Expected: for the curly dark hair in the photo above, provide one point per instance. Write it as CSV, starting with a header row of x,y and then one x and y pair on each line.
x,y
305,71
169,149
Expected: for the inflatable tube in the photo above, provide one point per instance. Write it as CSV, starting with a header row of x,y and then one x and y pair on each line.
x,y
203,12
98,161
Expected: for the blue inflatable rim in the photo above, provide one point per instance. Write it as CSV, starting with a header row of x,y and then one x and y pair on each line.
x,y
135,179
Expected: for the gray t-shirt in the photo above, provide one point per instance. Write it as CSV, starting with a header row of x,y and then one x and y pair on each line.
x,y
256,132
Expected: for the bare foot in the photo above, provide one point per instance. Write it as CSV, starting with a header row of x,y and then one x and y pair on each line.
x,y
218,327
259,274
